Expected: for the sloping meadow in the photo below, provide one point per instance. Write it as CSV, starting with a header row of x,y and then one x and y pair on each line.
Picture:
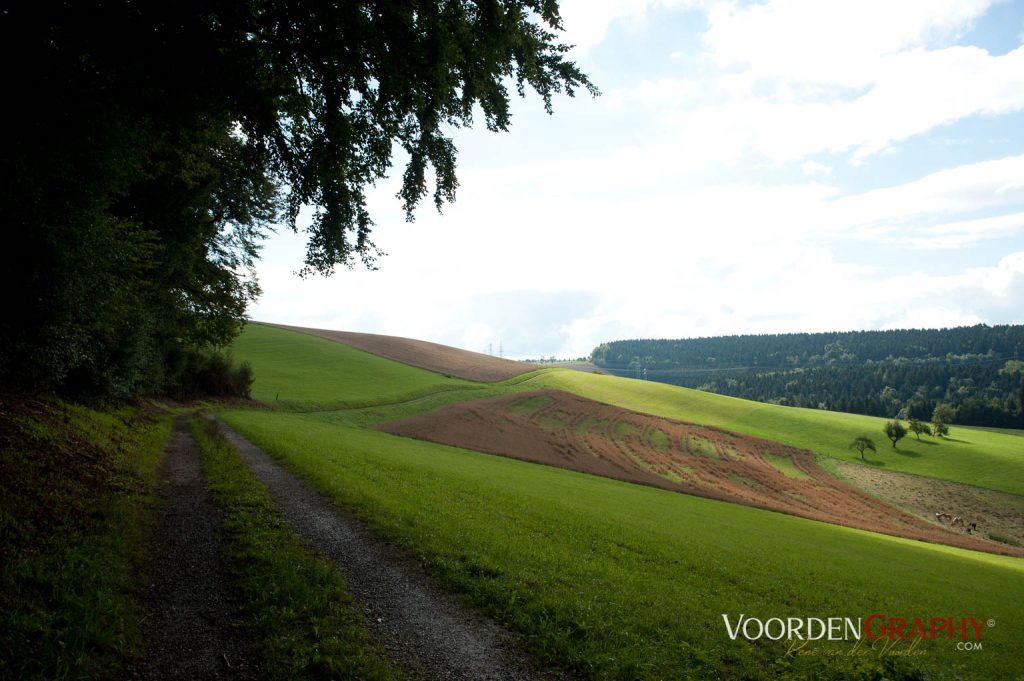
x,y
615,580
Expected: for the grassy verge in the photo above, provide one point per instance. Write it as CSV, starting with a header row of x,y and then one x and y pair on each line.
x,y
619,581
301,613
76,510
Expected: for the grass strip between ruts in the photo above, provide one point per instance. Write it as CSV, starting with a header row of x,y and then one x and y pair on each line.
x,y
302,616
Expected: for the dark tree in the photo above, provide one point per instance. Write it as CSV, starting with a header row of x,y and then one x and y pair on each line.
x,y
895,431
862,443
154,143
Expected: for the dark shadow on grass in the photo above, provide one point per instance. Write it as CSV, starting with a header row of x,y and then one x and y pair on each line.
x,y
953,439
907,452
926,442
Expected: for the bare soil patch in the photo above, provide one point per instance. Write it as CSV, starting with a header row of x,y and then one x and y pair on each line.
x,y
996,513
472,366
567,431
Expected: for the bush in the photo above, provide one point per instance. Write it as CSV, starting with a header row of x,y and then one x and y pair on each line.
x,y
213,373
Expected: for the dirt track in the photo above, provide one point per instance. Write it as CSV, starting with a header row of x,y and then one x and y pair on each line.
x,y
192,622
472,366
567,431
427,631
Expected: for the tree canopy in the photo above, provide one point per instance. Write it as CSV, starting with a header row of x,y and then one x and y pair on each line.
x,y
862,443
905,372
895,431
153,145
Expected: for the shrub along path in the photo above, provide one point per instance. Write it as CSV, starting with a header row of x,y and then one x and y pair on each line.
x,y
192,608
425,630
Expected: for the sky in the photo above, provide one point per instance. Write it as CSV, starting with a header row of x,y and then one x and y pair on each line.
x,y
770,167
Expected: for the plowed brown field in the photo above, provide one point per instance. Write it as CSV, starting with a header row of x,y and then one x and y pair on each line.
x,y
472,366
567,431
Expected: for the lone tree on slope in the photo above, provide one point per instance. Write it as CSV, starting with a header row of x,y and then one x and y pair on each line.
x,y
861,443
918,427
895,431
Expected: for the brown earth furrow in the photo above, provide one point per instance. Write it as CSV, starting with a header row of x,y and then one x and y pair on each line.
x,y
717,464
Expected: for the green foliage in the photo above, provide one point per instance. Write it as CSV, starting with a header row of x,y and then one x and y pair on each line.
x,y
210,372
862,443
940,429
918,428
905,372
159,142
298,606
622,581
944,413
895,431
76,507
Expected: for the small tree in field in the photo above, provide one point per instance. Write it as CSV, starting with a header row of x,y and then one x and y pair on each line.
x,y
861,443
945,413
917,427
940,429
895,431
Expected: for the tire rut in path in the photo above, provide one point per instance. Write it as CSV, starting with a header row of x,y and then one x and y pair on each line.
x,y
192,607
424,629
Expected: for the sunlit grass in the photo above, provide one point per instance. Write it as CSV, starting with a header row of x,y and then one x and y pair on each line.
x,y
622,581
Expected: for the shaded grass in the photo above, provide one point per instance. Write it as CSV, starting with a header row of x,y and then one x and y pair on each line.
x,y
619,581
300,610
76,513
982,457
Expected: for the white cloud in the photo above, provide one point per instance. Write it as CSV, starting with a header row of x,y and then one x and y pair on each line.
x,y
812,168
918,91
991,185
587,21
830,42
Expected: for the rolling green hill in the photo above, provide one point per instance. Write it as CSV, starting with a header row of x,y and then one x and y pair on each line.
x,y
982,457
298,371
622,581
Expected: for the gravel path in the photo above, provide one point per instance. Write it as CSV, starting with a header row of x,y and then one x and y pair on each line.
x,y
426,630
191,617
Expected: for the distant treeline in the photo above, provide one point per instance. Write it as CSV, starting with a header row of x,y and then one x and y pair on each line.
x,y
977,370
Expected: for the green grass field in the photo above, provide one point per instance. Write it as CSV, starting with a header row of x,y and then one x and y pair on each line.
x,y
301,372
618,581
982,457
